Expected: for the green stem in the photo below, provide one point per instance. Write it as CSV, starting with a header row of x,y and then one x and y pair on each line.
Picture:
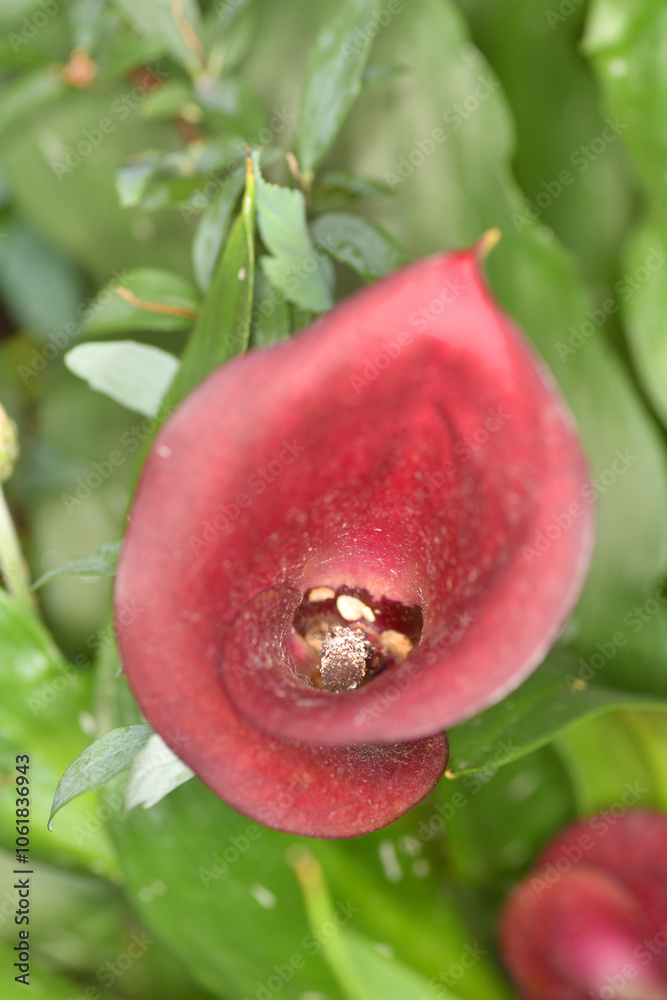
x,y
320,912
12,563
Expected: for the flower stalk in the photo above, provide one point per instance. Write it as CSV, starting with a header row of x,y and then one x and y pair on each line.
x,y
13,567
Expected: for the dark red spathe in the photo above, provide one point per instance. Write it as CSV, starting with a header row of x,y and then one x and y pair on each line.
x,y
591,920
409,444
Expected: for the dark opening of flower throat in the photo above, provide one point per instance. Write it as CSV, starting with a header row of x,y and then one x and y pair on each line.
x,y
342,637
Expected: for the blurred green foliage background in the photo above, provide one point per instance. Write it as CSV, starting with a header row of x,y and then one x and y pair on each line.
x,y
122,125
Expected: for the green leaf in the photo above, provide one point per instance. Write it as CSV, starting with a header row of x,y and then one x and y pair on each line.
x,y
338,192
143,299
303,274
650,732
335,191
213,228
43,701
80,918
44,984
333,81
75,191
27,93
361,245
188,179
89,20
125,51
618,759
553,698
383,977
133,177
14,57
40,285
101,761
320,912
643,288
628,469
166,102
101,562
612,760
538,283
155,771
230,31
625,44
12,10
178,25
543,50
300,319
173,193
530,799
270,314
230,105
626,52
377,73
223,329
234,874
136,375
364,973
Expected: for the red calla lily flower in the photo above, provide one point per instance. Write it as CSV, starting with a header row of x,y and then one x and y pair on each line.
x,y
349,541
591,920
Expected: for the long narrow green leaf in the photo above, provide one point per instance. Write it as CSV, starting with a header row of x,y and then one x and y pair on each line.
x,y
223,329
212,230
559,694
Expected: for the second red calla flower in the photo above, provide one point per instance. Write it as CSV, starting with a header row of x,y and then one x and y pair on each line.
x,y
591,919
345,543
